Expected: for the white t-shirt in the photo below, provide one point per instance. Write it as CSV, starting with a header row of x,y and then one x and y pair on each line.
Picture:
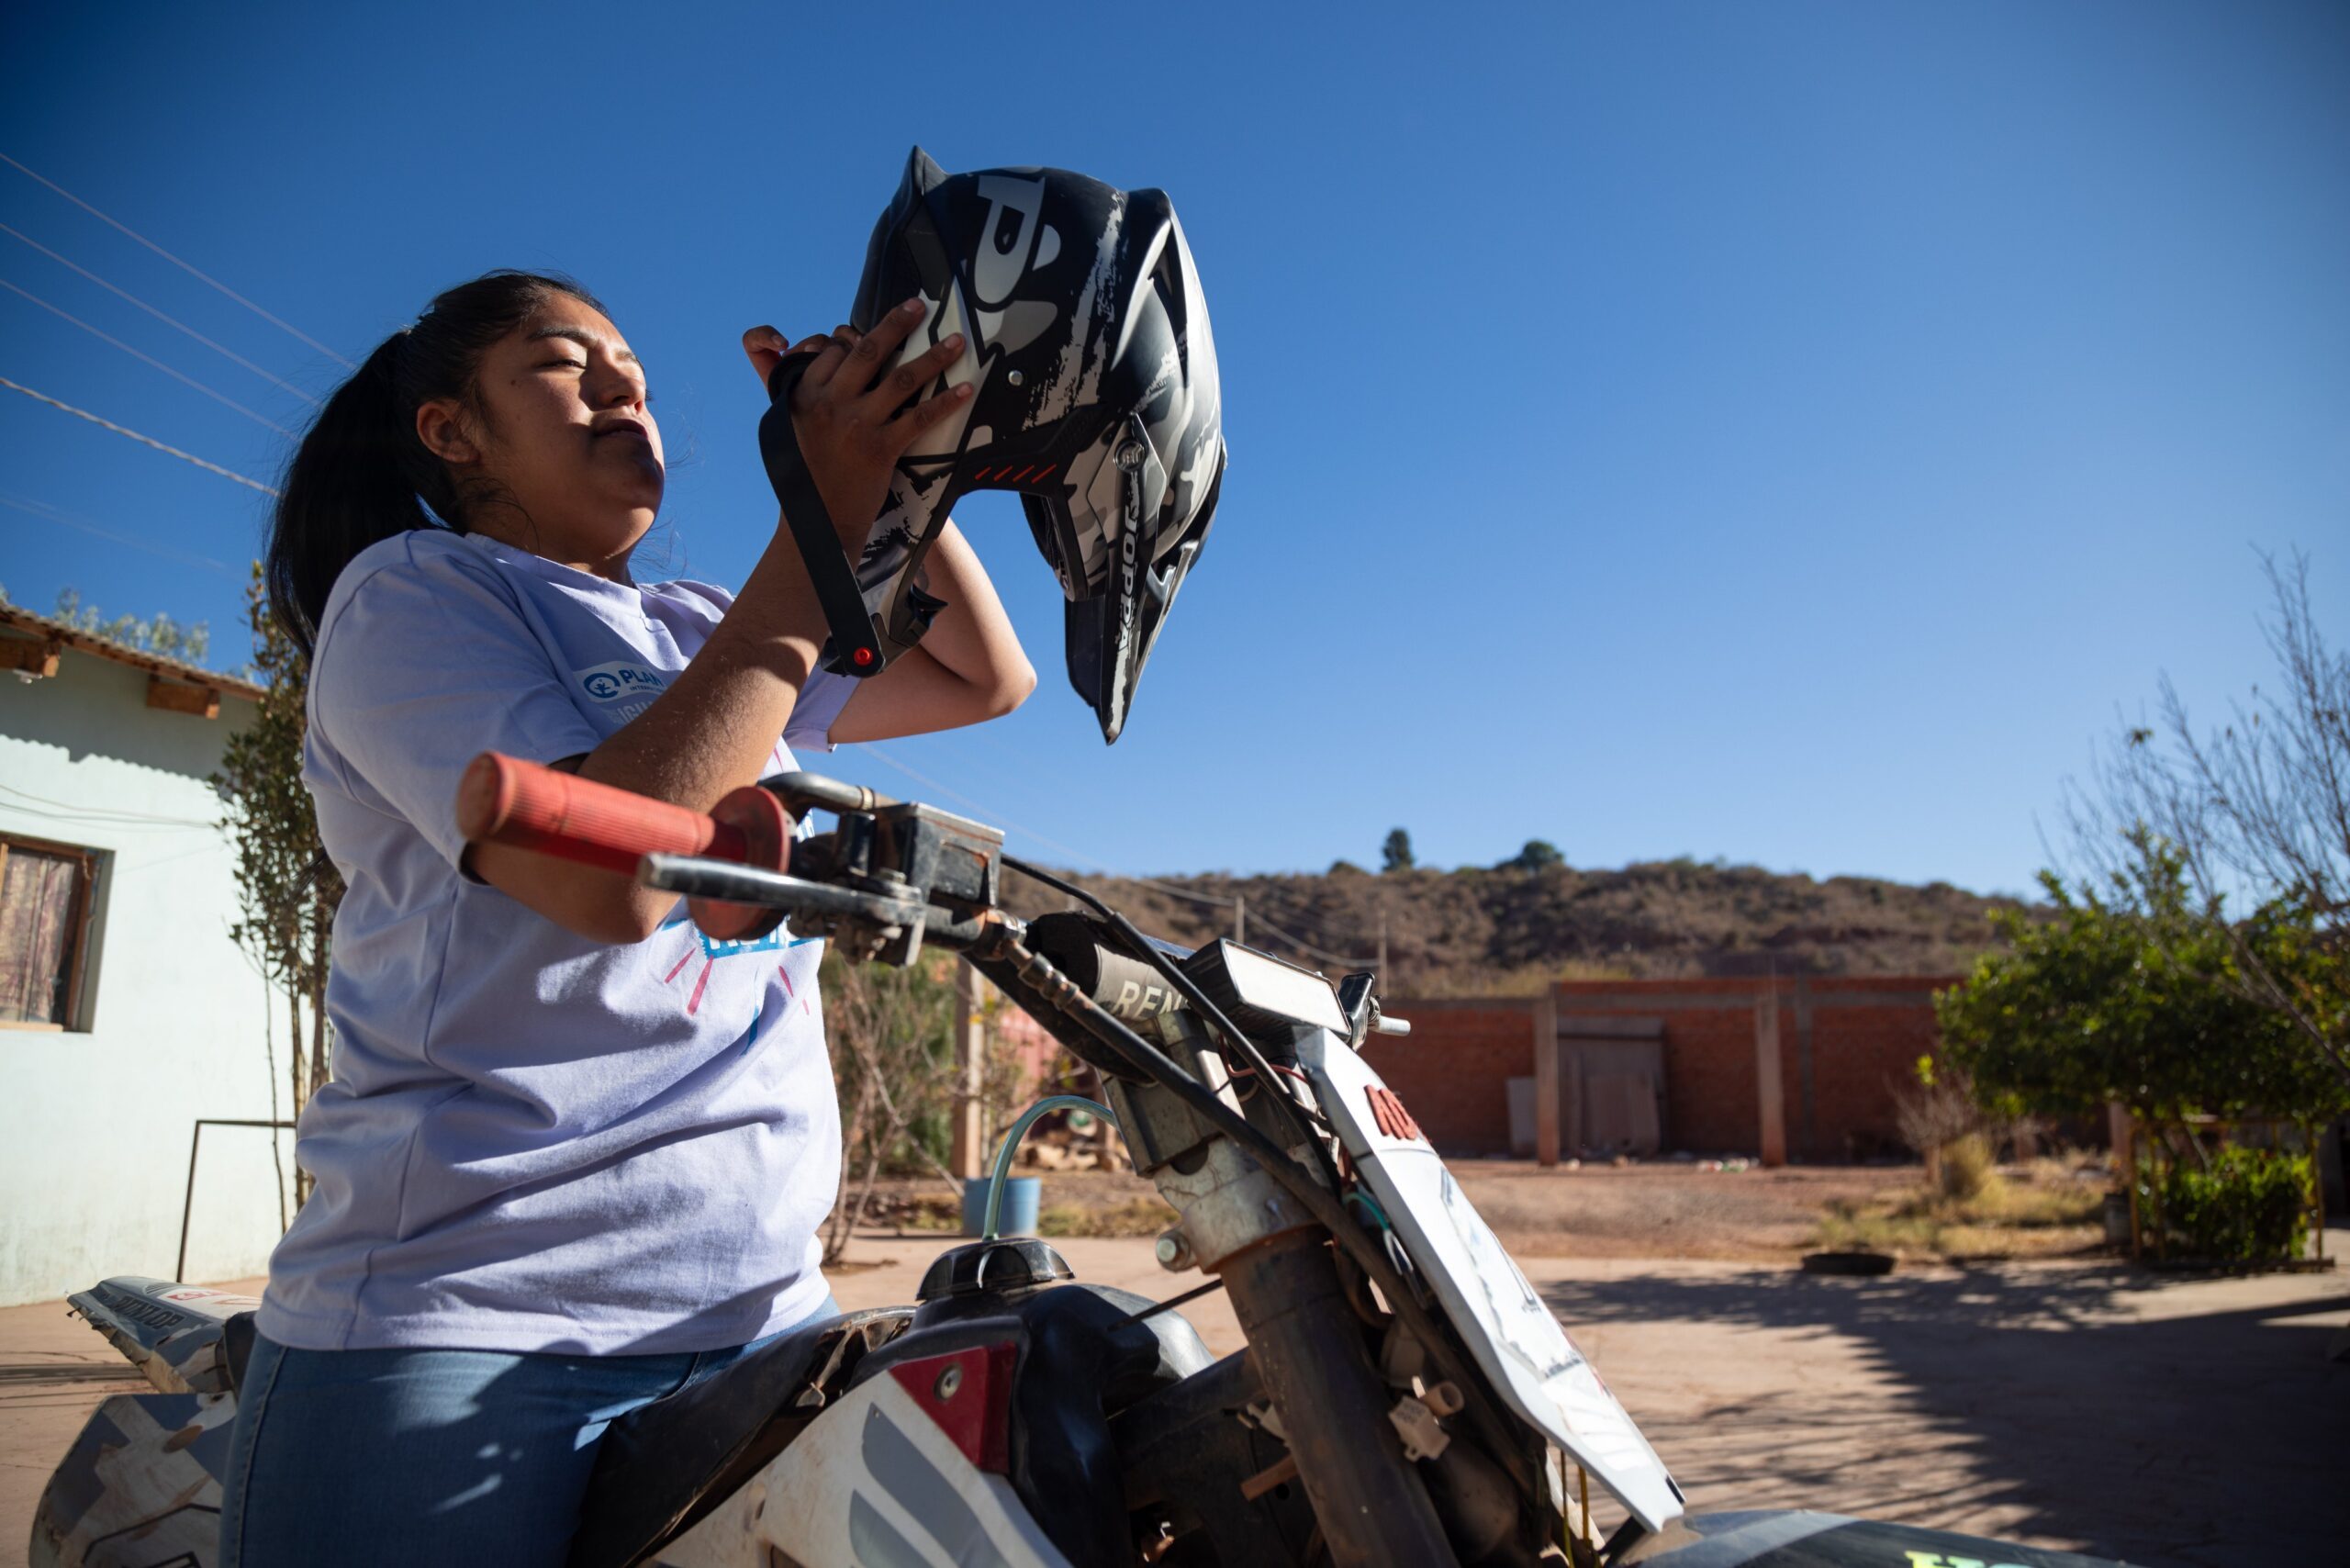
x,y
532,1141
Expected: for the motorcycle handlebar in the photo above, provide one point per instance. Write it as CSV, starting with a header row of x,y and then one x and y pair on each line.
x,y
502,800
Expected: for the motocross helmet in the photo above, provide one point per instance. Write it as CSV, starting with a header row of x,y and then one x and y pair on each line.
x,y
1096,400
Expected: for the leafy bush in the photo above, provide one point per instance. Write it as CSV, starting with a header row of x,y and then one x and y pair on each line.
x,y
2251,1206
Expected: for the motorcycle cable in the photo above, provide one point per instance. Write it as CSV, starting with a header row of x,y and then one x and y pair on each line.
x,y
1141,948
1057,991
1172,1302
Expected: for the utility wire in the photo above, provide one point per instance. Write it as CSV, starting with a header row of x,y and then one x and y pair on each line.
x,y
1255,918
926,782
142,440
48,514
204,278
167,320
1077,856
103,813
221,398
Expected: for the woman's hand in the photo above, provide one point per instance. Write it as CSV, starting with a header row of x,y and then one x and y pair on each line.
x,y
854,420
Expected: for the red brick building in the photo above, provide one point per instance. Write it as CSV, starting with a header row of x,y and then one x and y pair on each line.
x,y
1799,1067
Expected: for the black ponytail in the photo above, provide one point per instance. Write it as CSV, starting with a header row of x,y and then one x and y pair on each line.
x,y
362,474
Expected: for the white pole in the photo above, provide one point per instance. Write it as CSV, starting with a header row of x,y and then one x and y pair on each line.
x,y
968,1152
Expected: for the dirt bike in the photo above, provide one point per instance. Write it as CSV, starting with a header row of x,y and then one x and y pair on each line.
x,y
1405,1397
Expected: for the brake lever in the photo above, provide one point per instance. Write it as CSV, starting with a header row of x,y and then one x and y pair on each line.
x,y
727,882
862,925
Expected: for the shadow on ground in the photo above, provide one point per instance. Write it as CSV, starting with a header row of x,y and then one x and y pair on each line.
x,y
2165,1422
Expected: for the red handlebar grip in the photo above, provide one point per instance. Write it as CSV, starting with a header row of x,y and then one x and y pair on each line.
x,y
503,801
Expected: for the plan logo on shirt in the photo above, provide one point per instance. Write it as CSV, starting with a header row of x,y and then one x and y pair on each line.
x,y
630,687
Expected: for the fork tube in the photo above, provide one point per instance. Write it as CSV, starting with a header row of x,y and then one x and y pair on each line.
x,y
1307,1346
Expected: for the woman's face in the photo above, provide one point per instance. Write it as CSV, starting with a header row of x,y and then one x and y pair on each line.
x,y
559,428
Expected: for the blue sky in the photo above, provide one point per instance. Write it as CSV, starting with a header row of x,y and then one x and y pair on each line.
x,y
1782,433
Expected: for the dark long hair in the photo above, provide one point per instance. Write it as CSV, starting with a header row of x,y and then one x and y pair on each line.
x,y
361,474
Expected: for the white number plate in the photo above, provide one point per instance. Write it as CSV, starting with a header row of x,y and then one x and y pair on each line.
x,y
1516,1341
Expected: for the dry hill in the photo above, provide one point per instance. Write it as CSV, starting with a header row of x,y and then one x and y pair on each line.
x,y
1491,930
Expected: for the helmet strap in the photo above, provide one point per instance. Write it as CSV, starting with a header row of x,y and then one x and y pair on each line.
x,y
855,646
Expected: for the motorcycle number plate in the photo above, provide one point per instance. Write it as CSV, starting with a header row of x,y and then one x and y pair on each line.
x,y
1516,1340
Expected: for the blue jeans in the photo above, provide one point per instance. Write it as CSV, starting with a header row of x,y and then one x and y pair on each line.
x,y
363,1457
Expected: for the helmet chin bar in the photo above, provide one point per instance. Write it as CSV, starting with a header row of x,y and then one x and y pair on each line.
x,y
1108,635
875,610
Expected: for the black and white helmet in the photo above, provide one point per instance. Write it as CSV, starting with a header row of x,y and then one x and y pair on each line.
x,y
1087,340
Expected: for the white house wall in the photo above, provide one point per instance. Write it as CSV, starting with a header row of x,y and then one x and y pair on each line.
x,y
95,1127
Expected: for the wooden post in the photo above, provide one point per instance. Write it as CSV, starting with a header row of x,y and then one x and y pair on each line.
x,y
172,697
1239,922
2122,1132
1770,1089
36,659
1546,1077
968,1154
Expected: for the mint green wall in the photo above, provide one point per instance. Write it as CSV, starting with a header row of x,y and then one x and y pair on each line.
x,y
94,1126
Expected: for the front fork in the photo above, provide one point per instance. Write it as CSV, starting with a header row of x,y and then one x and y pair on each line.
x,y
1329,1403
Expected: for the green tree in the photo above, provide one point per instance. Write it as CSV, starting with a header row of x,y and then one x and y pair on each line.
x,y
2259,809
287,888
160,635
2129,995
1396,855
1540,855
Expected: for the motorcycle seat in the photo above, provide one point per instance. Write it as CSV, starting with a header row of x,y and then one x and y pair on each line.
x,y
659,1467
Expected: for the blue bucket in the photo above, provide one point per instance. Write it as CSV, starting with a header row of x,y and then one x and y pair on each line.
x,y
1018,1215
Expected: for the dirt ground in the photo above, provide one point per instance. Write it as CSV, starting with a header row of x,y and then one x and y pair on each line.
x,y
2171,1422
1662,1209
1666,1209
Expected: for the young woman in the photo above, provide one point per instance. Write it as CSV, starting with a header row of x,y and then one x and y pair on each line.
x,y
573,1156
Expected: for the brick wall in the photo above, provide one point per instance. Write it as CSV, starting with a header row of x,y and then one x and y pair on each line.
x,y
1844,1045
1451,1069
1868,1034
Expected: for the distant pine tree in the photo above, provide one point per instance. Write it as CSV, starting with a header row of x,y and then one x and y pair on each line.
x,y
1396,855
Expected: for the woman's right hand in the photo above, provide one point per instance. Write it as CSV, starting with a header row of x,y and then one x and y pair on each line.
x,y
854,419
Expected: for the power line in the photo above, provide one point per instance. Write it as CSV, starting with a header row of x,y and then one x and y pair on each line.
x,y
206,277
102,814
926,782
1077,856
48,514
979,738
142,440
221,398
1255,917
167,320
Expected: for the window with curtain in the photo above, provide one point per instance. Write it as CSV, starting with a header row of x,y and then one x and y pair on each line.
x,y
44,915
